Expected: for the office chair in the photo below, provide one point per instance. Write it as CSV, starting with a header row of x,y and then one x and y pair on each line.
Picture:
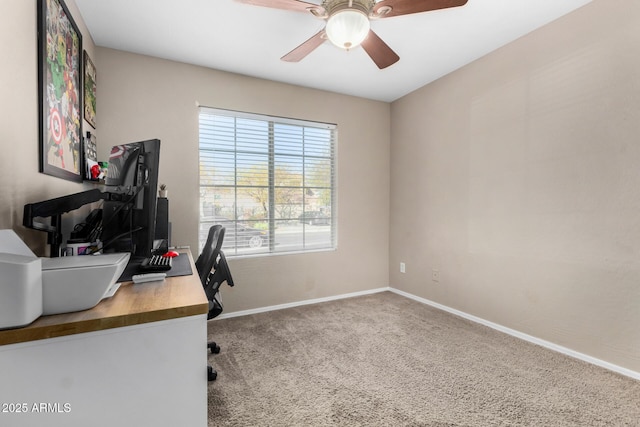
x,y
213,271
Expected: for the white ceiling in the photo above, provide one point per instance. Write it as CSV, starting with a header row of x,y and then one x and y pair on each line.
x,y
244,39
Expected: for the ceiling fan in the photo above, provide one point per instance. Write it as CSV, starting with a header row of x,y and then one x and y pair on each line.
x,y
348,23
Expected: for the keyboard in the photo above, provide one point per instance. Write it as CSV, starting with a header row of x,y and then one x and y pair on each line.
x,y
156,263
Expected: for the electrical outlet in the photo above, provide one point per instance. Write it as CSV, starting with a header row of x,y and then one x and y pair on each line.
x,y
403,268
435,275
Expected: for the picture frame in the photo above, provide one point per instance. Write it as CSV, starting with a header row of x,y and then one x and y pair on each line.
x,y
59,91
89,90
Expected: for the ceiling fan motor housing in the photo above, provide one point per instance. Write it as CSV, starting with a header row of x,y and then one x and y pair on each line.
x,y
333,6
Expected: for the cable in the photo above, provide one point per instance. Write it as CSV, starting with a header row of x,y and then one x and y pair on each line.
x,y
114,239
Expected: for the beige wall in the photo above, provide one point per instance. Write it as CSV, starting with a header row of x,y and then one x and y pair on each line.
x,y
20,182
518,178
141,97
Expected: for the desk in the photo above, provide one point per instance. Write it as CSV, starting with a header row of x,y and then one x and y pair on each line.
x,y
138,358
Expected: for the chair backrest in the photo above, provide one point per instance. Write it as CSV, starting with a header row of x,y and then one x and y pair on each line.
x,y
221,273
213,269
210,252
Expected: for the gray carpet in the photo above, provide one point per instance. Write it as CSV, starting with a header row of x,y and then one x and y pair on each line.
x,y
385,360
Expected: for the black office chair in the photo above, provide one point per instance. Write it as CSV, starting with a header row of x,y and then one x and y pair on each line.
x,y
213,271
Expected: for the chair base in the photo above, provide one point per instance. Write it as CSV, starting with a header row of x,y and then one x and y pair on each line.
x,y
211,374
215,348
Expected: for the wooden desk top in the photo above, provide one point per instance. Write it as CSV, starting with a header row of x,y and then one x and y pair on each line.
x,y
133,304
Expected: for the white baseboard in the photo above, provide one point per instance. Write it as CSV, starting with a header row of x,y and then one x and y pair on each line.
x,y
523,336
503,329
299,303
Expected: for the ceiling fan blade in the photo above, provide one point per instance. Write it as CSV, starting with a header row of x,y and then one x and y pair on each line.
x,y
297,5
406,7
379,51
305,48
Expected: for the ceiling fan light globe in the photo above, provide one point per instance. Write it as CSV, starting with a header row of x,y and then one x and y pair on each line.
x,y
347,28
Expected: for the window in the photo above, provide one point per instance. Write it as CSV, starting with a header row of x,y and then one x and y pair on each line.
x,y
270,181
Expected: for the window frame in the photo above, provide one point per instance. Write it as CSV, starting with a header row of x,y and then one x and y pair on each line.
x,y
234,224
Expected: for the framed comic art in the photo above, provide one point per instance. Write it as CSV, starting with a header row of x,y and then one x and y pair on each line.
x,y
60,91
89,90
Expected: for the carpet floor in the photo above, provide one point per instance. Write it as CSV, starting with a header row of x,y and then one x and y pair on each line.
x,y
386,360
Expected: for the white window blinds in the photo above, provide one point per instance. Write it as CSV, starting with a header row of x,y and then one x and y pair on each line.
x,y
269,181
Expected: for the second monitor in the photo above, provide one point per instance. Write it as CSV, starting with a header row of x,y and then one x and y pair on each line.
x,y
129,216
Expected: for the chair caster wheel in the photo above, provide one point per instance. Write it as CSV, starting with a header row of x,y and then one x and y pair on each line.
x,y
211,374
215,348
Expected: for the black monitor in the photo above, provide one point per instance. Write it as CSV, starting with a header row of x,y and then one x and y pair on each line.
x,y
129,214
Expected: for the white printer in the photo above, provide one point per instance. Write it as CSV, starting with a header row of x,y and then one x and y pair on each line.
x,y
32,286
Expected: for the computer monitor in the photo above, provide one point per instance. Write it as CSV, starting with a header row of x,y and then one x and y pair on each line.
x,y
129,213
